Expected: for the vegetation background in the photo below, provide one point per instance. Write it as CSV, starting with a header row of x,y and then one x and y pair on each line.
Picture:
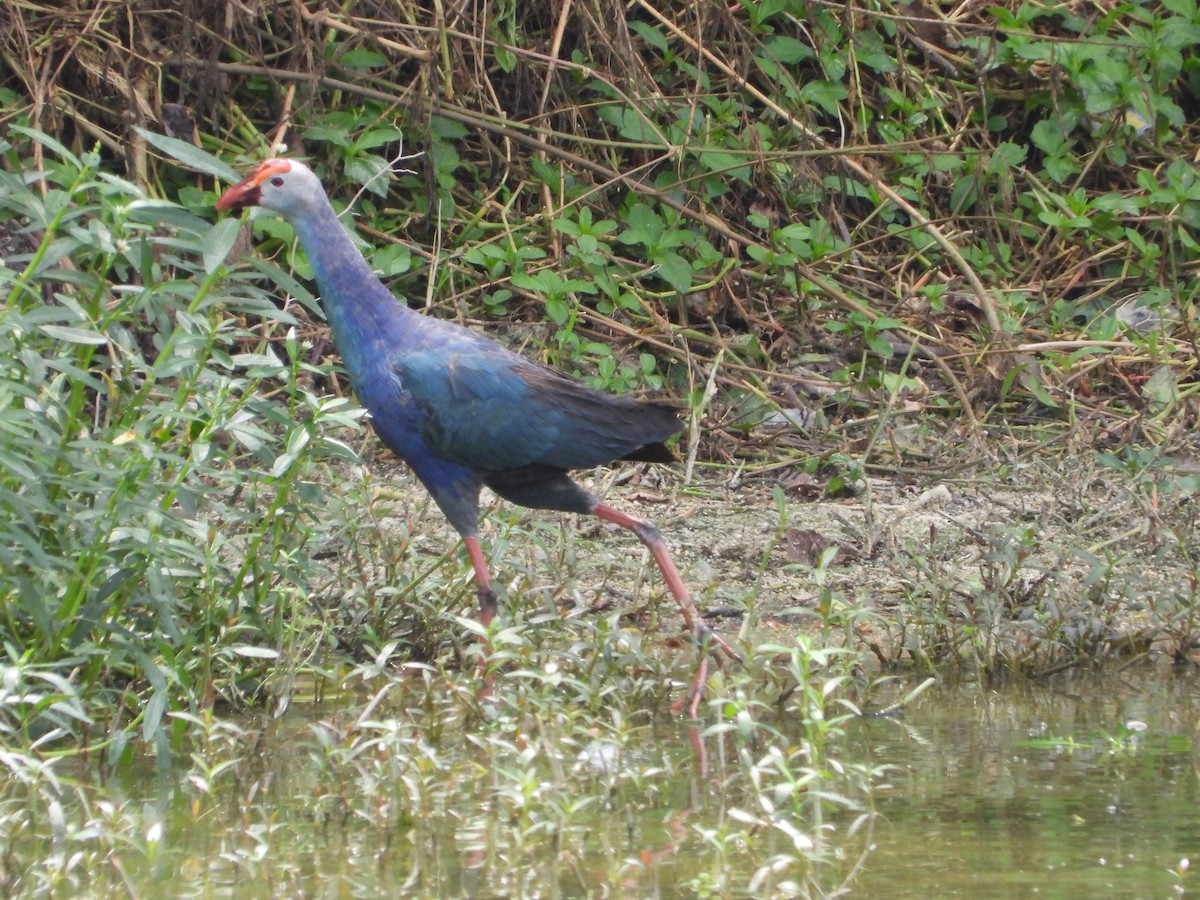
x,y
909,240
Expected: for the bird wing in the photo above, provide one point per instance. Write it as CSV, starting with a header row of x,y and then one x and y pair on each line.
x,y
493,410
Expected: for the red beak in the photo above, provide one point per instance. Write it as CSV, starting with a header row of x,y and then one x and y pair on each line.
x,y
247,191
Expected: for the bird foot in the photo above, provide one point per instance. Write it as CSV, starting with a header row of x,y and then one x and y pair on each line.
x,y
707,640
487,612
487,606
706,636
695,692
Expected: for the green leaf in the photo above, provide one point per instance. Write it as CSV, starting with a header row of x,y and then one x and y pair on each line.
x,y
218,242
632,124
447,128
1013,154
391,260
190,155
787,49
47,141
1035,386
675,271
796,237
963,195
1048,137
256,360
75,335
368,171
1161,388
565,226
1060,169
826,94
497,300
558,310
650,34
505,58
879,345
251,652
362,58
377,137
848,188
153,714
762,10
645,226
733,165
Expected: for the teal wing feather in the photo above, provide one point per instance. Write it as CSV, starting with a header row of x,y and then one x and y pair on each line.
x,y
492,410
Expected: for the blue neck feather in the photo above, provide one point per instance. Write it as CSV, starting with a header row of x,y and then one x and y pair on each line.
x,y
369,323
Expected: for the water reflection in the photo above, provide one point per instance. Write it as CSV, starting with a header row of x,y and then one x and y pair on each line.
x,y
1049,790
1046,790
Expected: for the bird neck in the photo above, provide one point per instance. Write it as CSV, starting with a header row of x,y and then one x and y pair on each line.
x,y
338,266
362,312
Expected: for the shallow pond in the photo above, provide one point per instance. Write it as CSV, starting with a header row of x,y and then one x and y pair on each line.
x,y
1087,786
1084,785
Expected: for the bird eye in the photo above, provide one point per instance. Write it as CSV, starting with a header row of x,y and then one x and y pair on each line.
x,y
277,181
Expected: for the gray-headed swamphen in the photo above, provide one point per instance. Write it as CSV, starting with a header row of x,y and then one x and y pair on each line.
x,y
462,410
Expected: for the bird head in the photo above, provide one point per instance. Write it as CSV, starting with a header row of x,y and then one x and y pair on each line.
x,y
284,186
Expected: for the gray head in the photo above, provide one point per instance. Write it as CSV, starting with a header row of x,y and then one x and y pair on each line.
x,y
284,186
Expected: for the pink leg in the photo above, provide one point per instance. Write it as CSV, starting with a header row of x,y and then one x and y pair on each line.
x,y
649,536
483,579
487,607
695,691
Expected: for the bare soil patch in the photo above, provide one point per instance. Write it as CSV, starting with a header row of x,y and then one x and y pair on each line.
x,y
1030,566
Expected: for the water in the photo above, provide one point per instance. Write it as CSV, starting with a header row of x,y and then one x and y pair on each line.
x,y
1084,786
990,801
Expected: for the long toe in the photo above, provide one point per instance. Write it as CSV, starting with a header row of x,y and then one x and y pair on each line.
x,y
695,691
706,635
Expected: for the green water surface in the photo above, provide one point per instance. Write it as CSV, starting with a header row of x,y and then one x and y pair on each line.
x,y
1086,786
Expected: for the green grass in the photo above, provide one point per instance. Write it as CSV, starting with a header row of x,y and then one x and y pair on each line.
x,y
942,249
160,506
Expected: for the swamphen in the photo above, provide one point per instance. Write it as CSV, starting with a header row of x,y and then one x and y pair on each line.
x,y
462,410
